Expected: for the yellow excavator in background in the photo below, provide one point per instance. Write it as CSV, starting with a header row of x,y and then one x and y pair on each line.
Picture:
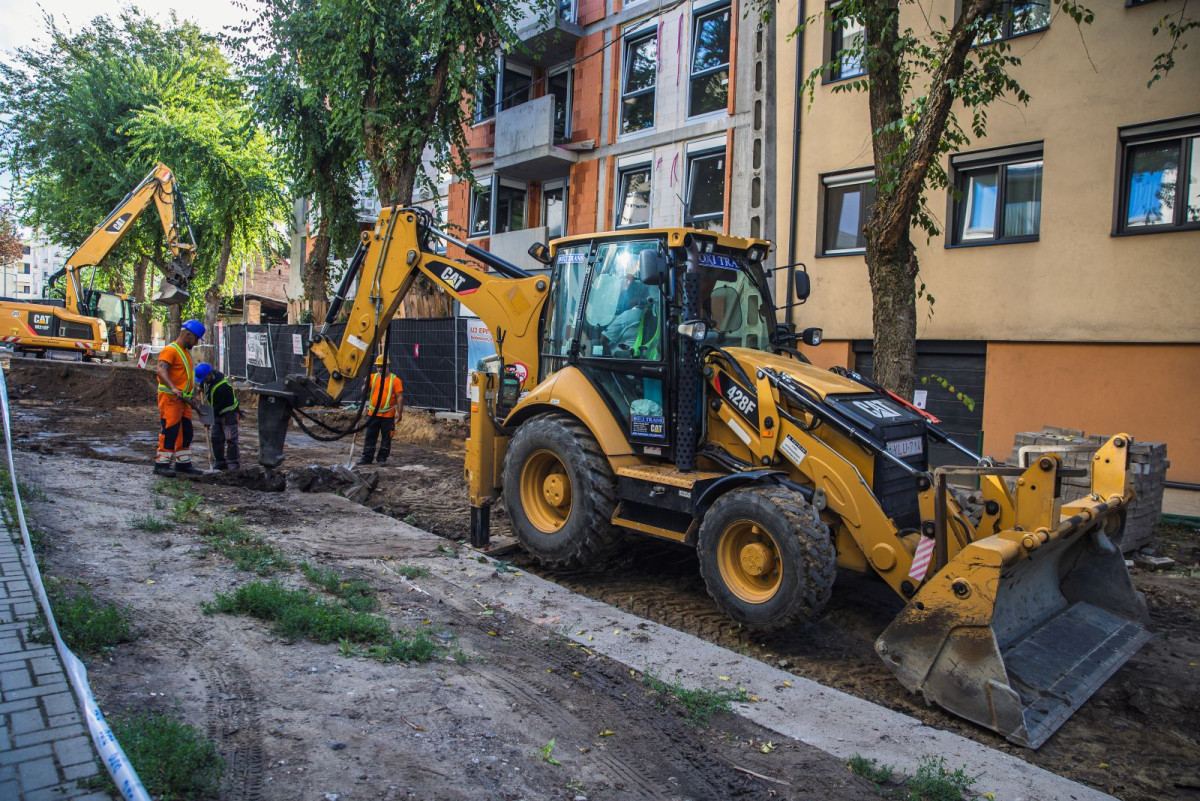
x,y
645,386
90,321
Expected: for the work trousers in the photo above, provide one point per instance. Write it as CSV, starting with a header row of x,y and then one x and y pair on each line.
x,y
378,429
224,440
175,438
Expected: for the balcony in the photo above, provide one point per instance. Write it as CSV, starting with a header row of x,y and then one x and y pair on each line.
x,y
525,147
513,247
549,31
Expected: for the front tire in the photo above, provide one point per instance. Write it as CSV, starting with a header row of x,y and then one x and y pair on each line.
x,y
766,557
560,493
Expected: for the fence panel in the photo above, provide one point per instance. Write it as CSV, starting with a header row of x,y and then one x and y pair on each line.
x,y
289,344
235,350
422,353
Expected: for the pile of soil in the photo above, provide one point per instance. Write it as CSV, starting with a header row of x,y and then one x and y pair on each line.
x,y
79,382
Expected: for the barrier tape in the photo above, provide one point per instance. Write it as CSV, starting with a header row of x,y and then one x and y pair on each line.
x,y
110,751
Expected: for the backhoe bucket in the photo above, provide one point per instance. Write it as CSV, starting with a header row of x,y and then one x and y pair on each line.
x,y
170,295
1020,628
274,415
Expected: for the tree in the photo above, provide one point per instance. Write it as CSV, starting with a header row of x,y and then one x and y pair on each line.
x,y
10,236
914,83
93,111
393,77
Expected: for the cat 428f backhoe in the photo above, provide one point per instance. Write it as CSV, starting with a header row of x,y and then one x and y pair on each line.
x,y
645,386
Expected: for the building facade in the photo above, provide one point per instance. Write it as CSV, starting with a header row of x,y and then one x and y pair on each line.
x,y
1064,279
26,278
622,116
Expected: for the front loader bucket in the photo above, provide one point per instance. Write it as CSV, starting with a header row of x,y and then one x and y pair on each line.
x,y
1020,628
274,414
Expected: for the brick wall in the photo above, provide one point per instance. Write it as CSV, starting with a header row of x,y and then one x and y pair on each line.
x,y
581,206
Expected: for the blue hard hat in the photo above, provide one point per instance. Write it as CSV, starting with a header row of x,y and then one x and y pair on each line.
x,y
202,371
195,326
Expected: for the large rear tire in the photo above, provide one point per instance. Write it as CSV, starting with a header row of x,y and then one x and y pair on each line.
x,y
766,557
560,493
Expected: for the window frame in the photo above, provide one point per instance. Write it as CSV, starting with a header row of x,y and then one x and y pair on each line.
x,y
1177,129
702,151
862,176
1006,30
551,186
699,15
569,71
642,33
485,113
626,166
835,37
476,192
1001,159
502,99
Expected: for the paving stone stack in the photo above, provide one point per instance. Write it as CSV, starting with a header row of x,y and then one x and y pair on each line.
x,y
1148,464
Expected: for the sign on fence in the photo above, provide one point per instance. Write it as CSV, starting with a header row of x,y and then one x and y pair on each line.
x,y
258,352
479,346
298,344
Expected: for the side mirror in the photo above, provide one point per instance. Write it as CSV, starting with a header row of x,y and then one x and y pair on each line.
x,y
811,336
652,267
540,252
803,287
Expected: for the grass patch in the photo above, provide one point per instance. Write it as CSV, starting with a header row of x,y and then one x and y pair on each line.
x,y
358,595
36,537
86,625
173,487
933,780
411,571
699,704
415,648
185,507
228,536
173,759
150,523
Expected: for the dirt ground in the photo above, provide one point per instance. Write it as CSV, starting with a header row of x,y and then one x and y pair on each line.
x,y
296,720
1137,738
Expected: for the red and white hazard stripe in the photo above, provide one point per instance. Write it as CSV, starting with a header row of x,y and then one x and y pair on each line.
x,y
10,339
921,560
83,345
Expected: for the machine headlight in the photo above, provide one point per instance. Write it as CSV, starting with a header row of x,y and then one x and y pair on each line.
x,y
696,329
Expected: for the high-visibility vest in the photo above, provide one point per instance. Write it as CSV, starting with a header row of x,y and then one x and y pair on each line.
x,y
649,346
212,397
189,386
386,400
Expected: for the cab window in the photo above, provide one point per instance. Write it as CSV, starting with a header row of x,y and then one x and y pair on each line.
x,y
623,318
737,313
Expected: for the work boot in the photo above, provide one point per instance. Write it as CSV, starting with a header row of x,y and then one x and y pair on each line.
x,y
234,467
363,462
220,466
163,470
186,469
382,460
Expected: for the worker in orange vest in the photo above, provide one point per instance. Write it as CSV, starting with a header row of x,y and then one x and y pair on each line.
x,y
385,405
176,388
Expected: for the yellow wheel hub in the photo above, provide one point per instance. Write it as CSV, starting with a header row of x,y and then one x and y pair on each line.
x,y
749,560
545,491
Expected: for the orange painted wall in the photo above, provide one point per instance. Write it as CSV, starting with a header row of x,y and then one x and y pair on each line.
x,y
1148,391
831,353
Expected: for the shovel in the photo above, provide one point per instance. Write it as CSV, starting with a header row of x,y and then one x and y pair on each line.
x,y
204,412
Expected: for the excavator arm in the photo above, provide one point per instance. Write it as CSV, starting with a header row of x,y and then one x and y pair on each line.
x,y
160,188
383,270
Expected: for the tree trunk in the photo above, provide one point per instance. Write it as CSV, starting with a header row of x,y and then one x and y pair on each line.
x,y
892,268
316,271
141,328
212,296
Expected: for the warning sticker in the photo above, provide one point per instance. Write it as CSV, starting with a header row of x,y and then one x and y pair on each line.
x,y
356,342
793,450
645,425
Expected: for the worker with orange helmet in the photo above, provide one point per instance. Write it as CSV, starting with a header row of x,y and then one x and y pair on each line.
x,y
385,405
176,388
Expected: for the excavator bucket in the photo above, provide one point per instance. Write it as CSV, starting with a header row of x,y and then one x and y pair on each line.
x,y
1019,628
274,413
170,295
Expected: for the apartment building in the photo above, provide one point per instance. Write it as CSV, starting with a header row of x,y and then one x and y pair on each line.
x,y
622,115
25,278
1065,279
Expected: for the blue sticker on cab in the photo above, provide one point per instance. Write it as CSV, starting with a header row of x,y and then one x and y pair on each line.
x,y
717,260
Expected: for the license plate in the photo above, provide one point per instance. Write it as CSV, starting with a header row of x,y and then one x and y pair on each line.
x,y
902,448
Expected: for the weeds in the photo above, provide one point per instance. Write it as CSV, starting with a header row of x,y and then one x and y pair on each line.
x,y
698,703
358,595
86,624
185,507
173,760
932,782
150,523
413,648
229,537
411,571
172,487
545,753
461,657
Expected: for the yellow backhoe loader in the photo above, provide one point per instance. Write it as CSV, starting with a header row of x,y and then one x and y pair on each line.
x,y
86,320
645,386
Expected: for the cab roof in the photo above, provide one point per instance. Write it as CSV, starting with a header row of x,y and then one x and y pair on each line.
x,y
674,237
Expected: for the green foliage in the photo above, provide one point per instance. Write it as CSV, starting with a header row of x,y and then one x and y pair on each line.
x,y
411,571
699,704
358,595
184,510
87,625
173,759
545,750
962,397
150,523
415,648
1175,25
229,537
870,769
10,236
932,782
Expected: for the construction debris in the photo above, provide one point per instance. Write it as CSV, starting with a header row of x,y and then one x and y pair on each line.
x,y
351,485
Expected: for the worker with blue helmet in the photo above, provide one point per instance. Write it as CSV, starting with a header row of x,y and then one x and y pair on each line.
x,y
176,388
217,392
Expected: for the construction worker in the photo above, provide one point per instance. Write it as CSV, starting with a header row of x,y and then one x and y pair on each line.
x,y
385,405
215,389
176,386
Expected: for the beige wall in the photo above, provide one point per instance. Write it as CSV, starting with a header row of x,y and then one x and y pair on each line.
x,y
1147,391
1077,282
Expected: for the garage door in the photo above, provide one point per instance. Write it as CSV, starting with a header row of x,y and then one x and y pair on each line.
x,y
963,366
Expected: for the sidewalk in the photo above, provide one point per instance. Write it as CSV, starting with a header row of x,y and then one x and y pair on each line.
x,y
44,746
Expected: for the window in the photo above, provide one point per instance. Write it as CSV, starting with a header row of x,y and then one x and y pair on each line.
x,y
485,97
999,196
566,10
515,83
497,207
704,204
846,47
554,209
1160,177
1015,19
639,81
633,193
559,84
481,210
709,84
848,201
25,268
510,207
25,250
623,316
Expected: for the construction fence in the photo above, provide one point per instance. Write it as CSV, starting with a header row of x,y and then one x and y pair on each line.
x,y
432,356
